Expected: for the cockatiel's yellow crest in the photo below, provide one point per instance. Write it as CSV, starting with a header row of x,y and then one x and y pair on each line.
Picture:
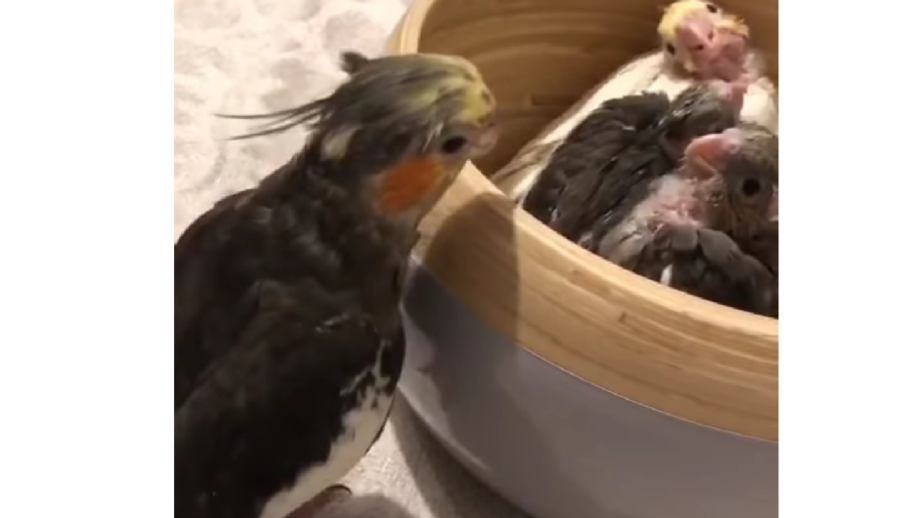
x,y
474,104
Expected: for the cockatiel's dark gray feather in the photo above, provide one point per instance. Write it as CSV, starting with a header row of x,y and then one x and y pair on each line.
x,y
288,337
273,344
596,147
609,159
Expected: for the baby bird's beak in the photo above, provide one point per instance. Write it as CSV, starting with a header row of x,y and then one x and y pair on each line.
x,y
488,138
697,34
773,209
705,156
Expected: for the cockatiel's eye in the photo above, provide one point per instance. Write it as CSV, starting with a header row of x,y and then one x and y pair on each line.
x,y
670,48
453,145
456,141
713,8
463,140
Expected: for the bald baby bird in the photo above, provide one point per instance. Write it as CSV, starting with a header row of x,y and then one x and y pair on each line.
x,y
288,338
712,227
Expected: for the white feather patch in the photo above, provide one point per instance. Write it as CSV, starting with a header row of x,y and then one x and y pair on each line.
x,y
360,428
666,275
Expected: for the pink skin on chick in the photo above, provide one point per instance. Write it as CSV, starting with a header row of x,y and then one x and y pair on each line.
x,y
705,158
714,52
680,200
733,92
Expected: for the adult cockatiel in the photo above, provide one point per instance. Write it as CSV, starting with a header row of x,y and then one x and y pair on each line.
x,y
711,228
288,337
676,66
601,171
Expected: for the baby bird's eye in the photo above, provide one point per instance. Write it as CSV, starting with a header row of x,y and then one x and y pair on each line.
x,y
670,48
713,8
453,145
751,187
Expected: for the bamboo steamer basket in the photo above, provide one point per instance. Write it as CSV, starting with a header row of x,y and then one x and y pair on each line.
x,y
571,386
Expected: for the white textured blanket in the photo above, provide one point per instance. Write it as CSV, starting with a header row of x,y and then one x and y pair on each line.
x,y
246,56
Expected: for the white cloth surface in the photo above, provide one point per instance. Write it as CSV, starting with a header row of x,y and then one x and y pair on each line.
x,y
250,56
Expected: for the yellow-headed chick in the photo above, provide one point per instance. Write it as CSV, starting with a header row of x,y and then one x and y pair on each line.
x,y
706,41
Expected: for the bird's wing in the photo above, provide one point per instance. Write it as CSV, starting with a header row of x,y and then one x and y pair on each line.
x,y
591,150
709,264
273,405
624,186
223,264
198,289
517,177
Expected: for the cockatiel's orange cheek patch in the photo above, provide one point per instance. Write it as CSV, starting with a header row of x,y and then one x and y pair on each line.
x,y
406,185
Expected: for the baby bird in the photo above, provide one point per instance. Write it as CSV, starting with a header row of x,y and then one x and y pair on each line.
x,y
712,227
704,40
288,337
603,169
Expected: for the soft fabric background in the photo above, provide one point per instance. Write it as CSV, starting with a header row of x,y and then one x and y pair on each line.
x,y
248,56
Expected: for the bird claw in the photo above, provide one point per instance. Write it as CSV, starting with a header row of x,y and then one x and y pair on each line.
x,y
331,495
